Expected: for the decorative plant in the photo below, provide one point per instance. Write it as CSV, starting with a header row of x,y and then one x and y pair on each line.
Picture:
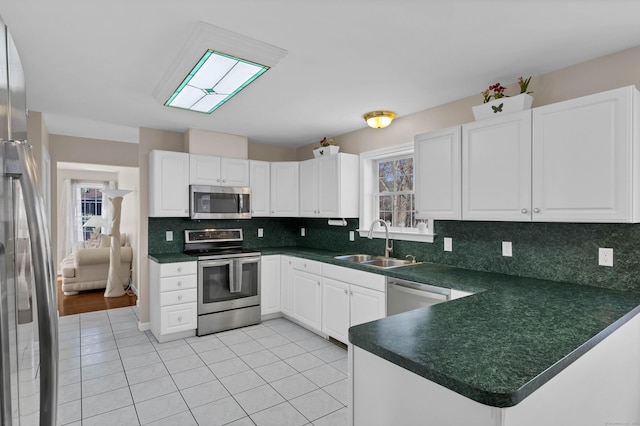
x,y
524,84
326,142
496,91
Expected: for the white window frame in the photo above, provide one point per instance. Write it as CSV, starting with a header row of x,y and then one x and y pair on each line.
x,y
368,181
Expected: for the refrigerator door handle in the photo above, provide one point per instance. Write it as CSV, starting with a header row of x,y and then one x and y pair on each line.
x,y
44,284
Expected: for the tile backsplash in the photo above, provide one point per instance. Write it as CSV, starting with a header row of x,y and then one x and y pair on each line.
x,y
555,251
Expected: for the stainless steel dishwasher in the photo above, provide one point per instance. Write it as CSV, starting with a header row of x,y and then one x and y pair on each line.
x,y
403,296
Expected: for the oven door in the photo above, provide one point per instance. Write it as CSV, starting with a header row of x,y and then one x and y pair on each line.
x,y
225,284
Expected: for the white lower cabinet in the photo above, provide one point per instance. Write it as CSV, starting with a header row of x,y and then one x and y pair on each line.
x,y
270,285
174,300
350,297
306,305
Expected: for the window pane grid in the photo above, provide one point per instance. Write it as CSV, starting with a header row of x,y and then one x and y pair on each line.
x,y
395,198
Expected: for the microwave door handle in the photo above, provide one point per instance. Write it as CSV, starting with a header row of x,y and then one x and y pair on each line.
x,y
235,285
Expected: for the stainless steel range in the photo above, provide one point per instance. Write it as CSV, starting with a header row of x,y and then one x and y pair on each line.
x,y
228,279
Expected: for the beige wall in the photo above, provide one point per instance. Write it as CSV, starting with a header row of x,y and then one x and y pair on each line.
x,y
150,139
213,143
264,152
608,72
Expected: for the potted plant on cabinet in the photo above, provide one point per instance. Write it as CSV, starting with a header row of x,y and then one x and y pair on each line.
x,y
502,103
326,148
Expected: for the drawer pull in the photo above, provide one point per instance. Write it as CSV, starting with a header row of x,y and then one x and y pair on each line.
x,y
179,283
180,319
179,268
180,297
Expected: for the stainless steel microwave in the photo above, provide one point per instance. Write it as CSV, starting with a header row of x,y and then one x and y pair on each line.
x,y
219,202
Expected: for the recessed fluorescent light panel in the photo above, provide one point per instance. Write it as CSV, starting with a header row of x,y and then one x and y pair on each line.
x,y
215,79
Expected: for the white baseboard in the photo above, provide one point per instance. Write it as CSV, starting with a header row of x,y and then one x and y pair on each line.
x,y
144,326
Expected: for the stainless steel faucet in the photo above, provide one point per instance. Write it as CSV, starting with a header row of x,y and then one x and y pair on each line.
x,y
388,245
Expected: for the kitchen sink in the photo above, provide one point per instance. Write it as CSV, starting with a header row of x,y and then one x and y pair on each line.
x,y
375,261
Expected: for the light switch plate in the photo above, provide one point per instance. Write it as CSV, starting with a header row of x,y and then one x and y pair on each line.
x,y
605,256
260,232
303,232
507,249
448,244
352,236
169,236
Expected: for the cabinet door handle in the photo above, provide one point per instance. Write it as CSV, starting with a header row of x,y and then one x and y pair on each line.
x,y
346,292
524,211
350,293
536,210
217,180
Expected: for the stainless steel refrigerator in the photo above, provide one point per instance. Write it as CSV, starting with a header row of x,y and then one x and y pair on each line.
x,y
28,305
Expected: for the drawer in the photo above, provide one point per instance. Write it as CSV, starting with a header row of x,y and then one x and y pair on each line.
x,y
178,283
178,268
355,276
179,296
178,318
307,265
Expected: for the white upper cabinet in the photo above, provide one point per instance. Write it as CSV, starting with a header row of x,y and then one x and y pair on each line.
x,y
584,158
218,171
496,168
437,173
260,182
168,184
329,186
284,189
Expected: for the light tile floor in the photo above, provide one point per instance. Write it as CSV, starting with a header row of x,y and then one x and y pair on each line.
x,y
274,373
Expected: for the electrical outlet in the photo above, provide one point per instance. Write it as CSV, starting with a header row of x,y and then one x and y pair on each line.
x,y
605,256
303,232
448,244
506,248
169,236
260,232
352,236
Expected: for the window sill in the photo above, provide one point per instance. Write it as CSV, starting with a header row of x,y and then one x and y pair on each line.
x,y
407,235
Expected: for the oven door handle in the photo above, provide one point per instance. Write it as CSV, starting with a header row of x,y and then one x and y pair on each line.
x,y
235,280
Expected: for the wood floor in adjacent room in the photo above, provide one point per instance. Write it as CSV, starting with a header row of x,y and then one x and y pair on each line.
x,y
90,301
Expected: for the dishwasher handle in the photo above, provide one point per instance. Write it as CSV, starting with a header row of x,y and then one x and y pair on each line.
x,y
421,290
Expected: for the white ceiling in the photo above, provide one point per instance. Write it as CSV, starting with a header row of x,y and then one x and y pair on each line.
x,y
92,66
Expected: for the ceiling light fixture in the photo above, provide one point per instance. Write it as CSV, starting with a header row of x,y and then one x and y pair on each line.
x,y
215,79
379,119
244,60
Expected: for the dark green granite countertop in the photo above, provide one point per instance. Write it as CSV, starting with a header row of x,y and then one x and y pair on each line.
x,y
171,258
498,345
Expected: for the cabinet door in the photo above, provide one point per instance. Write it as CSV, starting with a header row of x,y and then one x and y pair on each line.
x,y
309,188
204,170
260,188
496,168
234,172
366,305
168,184
307,299
335,309
286,284
437,173
270,285
582,159
284,189
329,186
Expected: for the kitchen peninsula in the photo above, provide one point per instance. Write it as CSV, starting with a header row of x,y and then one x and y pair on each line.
x,y
521,352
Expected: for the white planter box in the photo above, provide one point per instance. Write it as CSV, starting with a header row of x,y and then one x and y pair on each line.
x,y
323,151
502,106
